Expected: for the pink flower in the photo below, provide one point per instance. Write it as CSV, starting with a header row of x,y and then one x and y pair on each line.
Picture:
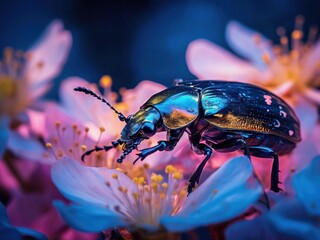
x,y
105,198
24,78
287,72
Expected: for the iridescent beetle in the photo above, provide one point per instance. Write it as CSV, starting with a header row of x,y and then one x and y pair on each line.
x,y
220,115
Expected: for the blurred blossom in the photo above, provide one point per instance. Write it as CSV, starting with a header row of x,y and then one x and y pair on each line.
x,y
24,78
30,204
105,198
288,71
293,216
7,231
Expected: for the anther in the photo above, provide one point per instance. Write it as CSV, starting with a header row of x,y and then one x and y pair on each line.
x,y
106,81
49,145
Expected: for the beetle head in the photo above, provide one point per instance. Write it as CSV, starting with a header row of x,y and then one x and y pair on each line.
x,y
140,126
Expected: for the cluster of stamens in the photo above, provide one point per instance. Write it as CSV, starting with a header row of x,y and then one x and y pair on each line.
x,y
286,63
73,141
157,196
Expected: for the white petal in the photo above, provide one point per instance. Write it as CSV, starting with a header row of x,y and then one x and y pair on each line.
x,y
79,183
51,52
4,134
307,184
244,41
89,218
209,61
228,192
82,184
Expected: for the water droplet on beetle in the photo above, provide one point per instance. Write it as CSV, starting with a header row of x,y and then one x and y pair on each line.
x,y
276,123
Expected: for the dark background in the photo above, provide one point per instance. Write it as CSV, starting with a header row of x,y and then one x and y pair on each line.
x,y
144,39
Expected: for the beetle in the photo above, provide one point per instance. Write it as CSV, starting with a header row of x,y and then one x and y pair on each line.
x,y
217,115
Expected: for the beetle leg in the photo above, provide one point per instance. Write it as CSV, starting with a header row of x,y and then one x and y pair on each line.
x,y
173,137
162,145
196,175
265,152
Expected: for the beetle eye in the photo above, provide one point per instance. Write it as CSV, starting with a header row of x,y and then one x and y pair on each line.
x,y
148,128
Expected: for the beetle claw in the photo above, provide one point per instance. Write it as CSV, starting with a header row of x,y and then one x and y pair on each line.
x,y
137,159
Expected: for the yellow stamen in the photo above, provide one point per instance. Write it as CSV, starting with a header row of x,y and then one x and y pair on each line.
x,y
83,148
49,145
177,175
164,185
106,81
170,169
123,189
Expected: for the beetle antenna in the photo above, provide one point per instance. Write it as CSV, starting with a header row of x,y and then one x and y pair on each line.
x,y
122,118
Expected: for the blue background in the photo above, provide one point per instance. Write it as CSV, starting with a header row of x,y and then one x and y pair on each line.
x,y
145,39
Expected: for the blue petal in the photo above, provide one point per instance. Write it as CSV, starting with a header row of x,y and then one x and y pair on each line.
x,y
306,184
4,134
89,218
7,231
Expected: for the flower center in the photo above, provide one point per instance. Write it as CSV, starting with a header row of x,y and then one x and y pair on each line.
x,y
12,87
155,197
287,63
7,87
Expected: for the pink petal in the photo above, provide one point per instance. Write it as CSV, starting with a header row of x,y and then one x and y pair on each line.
x,y
308,116
313,95
311,61
87,109
47,57
244,41
209,61
88,218
140,94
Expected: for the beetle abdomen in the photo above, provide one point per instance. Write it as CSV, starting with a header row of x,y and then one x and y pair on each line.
x,y
239,106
